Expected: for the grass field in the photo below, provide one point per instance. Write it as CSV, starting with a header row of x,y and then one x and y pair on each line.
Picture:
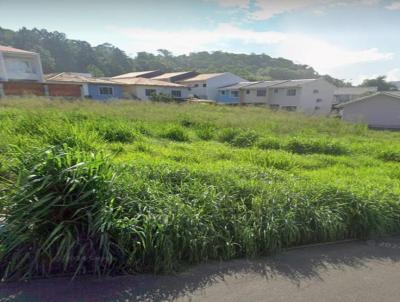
x,y
139,187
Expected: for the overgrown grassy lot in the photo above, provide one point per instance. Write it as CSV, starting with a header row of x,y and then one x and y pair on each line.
x,y
92,188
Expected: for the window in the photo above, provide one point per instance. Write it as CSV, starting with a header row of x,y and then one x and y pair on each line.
x,y
106,90
261,92
204,85
316,91
317,108
235,94
291,92
196,85
319,100
223,92
289,108
274,107
176,93
247,91
150,92
276,90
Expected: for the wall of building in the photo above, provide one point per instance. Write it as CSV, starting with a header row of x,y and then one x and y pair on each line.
x,y
139,92
19,88
94,91
249,96
65,90
215,83
22,67
308,99
380,111
278,96
226,97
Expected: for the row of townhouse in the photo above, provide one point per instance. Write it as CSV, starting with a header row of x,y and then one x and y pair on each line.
x,y
21,73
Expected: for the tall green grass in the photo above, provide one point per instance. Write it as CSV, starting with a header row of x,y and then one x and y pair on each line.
x,y
183,184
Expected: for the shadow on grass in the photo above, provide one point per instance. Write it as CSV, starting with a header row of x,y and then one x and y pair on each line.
x,y
294,266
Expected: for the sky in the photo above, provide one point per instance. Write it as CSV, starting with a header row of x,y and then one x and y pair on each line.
x,y
350,40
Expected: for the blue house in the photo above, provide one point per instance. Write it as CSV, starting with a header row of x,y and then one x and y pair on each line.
x,y
93,88
232,94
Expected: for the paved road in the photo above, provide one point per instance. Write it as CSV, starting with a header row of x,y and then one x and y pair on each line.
x,y
357,271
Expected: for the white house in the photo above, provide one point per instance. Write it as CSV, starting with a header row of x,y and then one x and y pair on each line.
x,y
379,110
143,89
311,96
346,94
205,86
19,65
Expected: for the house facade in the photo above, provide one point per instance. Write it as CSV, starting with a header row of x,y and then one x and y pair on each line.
x,y
379,110
93,88
311,96
144,89
233,94
206,86
19,65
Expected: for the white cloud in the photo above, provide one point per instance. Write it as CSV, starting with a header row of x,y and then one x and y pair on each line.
x,y
189,40
394,5
324,56
393,75
266,9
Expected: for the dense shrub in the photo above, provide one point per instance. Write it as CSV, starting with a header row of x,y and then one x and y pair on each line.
x,y
267,143
206,131
238,137
60,216
176,133
390,155
309,146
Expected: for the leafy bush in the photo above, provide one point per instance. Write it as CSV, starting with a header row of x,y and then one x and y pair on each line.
x,y
238,137
60,218
390,155
309,146
269,143
162,98
206,131
176,133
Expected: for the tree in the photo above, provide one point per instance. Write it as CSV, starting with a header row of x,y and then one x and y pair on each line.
x,y
381,83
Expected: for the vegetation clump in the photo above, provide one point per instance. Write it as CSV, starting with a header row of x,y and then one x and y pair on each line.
x,y
246,182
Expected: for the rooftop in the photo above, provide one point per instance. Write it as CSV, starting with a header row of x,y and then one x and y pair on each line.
x,y
265,84
76,78
169,75
355,90
395,94
10,49
136,74
202,77
238,85
146,82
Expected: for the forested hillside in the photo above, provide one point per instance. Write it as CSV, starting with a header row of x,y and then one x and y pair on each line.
x,y
59,54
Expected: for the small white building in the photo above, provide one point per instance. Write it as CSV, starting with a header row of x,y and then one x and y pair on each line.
x,y
19,65
346,94
311,96
143,89
205,86
379,110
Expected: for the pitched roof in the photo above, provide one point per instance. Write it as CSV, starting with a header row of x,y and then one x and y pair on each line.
x,y
294,83
76,78
202,77
394,94
237,86
10,49
136,74
146,82
169,75
265,84
354,90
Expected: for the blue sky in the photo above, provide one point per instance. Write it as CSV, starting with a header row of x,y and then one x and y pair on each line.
x,y
350,40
